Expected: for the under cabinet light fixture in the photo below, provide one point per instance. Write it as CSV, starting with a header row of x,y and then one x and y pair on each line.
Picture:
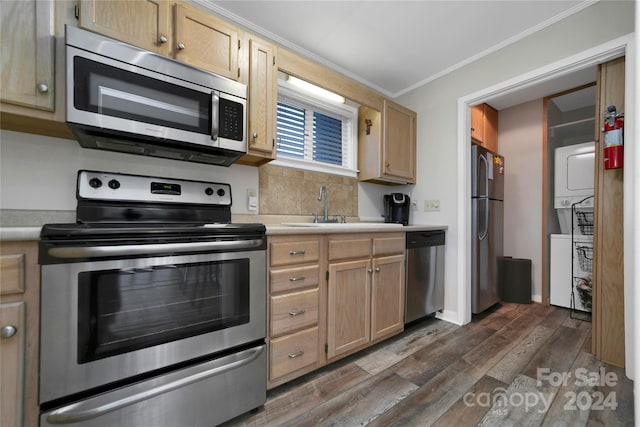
x,y
316,90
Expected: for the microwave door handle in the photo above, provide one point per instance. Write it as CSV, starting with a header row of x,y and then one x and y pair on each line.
x,y
215,110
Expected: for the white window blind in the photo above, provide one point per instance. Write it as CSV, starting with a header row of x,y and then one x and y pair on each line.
x,y
315,135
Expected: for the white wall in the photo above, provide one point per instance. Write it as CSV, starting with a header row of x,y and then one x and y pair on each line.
x,y
39,173
442,145
520,142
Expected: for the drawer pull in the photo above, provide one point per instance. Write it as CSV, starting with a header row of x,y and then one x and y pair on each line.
x,y
296,279
302,252
296,354
297,313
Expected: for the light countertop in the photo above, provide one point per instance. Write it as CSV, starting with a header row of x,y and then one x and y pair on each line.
x,y
26,225
354,227
33,232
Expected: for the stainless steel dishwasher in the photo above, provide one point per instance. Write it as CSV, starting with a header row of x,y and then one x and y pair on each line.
x,y
424,293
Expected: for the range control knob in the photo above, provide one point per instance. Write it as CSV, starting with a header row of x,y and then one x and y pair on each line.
x,y
95,183
114,184
220,192
208,191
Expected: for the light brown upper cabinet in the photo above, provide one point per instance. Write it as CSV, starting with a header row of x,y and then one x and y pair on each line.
x,y
196,37
146,24
263,100
387,144
206,42
28,53
484,126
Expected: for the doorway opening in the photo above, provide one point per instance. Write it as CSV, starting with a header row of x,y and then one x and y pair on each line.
x,y
543,81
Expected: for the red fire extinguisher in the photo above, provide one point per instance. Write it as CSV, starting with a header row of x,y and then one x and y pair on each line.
x,y
613,138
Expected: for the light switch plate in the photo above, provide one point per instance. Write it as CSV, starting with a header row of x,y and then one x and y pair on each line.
x,y
432,205
252,200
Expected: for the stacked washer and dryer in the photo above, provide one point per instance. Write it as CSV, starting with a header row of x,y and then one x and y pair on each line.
x,y
571,252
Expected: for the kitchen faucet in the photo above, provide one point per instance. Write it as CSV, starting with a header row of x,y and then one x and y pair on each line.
x,y
325,218
323,192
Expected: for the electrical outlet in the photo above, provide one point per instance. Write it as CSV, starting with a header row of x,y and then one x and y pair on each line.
x,y
252,200
432,205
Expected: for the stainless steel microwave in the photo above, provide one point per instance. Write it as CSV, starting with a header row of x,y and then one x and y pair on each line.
x,y
123,98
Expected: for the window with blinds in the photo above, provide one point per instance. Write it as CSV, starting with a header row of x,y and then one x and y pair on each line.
x,y
315,135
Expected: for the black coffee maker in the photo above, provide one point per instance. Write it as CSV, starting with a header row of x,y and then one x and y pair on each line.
x,y
396,208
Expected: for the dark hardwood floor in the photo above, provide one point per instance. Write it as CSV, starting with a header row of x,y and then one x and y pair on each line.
x,y
520,365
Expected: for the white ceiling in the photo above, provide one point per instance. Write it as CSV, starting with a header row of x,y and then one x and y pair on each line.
x,y
396,46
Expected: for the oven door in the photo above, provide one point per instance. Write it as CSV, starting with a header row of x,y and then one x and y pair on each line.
x,y
104,322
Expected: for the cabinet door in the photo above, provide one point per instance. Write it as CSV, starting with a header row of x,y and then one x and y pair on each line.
x,y
27,53
490,128
206,42
142,23
399,150
477,123
12,366
387,296
262,99
348,306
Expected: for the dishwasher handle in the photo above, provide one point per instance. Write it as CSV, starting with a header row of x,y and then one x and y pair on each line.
x,y
422,239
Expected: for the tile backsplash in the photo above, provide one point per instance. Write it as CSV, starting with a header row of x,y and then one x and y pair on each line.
x,y
287,191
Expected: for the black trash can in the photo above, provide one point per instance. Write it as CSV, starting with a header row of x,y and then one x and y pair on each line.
x,y
515,285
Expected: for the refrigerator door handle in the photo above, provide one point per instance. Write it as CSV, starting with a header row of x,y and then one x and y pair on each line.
x,y
486,177
482,235
483,198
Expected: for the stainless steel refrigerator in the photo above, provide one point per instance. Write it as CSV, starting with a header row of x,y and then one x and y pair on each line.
x,y
487,234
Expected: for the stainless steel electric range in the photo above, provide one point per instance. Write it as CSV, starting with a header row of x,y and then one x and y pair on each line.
x,y
153,306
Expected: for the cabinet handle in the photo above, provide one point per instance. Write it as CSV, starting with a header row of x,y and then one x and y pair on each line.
x,y
180,46
255,135
163,39
369,270
302,252
387,164
296,354
295,279
8,331
43,88
377,270
297,313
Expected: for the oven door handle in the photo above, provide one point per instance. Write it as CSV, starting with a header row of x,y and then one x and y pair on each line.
x,y
118,399
124,250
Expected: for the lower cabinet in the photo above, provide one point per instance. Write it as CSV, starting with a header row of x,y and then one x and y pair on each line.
x,y
293,308
365,302
330,296
19,324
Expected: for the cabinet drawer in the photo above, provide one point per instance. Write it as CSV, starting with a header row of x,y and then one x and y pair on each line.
x,y
293,311
297,252
389,245
12,273
349,248
293,278
293,352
